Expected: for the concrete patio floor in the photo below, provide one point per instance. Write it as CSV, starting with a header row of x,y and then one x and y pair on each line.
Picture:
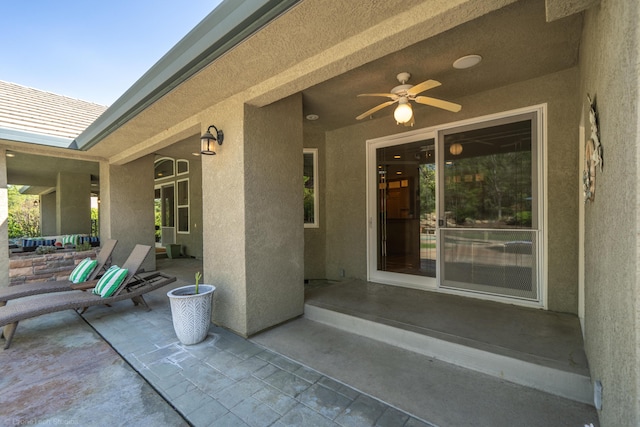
x,y
122,365
59,370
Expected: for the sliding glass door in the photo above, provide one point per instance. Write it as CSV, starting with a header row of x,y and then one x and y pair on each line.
x,y
406,208
489,211
458,208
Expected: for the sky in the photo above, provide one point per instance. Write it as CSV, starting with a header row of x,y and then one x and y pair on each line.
x,y
92,50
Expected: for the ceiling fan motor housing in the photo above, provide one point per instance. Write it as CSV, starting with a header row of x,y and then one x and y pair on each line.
x,y
401,90
403,77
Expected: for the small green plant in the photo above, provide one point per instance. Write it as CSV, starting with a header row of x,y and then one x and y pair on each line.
x,y
198,277
41,250
84,246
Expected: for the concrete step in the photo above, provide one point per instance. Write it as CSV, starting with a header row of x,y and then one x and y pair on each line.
x,y
501,363
432,390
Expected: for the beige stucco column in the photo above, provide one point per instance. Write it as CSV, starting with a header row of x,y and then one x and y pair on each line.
x,y
48,226
126,207
4,216
73,203
252,211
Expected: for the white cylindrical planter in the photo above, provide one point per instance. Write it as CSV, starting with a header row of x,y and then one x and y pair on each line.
x,y
191,312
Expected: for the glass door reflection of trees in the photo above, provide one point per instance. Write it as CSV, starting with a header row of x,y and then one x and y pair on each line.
x,y
489,219
407,208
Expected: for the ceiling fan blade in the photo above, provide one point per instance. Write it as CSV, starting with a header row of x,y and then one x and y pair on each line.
x,y
387,95
374,109
421,87
445,105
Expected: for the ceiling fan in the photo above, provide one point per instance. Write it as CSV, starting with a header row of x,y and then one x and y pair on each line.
x,y
404,93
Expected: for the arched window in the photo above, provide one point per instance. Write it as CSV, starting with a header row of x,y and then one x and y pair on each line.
x,y
164,168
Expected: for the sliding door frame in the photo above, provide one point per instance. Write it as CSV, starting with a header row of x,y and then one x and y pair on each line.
x,y
426,283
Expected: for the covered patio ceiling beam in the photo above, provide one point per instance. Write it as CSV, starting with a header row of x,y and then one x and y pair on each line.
x,y
557,9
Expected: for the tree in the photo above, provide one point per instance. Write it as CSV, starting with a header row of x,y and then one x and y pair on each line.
x,y
24,214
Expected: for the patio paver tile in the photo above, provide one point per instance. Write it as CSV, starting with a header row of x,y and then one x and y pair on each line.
x,y
236,393
167,382
255,413
308,374
414,422
392,418
207,414
164,368
279,361
287,383
303,416
229,420
275,399
327,402
245,368
159,354
364,411
183,387
244,350
222,360
339,387
266,371
191,400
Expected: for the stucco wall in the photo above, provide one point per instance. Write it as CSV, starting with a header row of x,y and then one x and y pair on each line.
x,y
73,203
223,217
253,227
314,238
127,200
346,182
274,224
48,214
609,72
4,216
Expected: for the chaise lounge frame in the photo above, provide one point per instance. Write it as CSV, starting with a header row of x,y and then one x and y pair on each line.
x,y
36,288
133,287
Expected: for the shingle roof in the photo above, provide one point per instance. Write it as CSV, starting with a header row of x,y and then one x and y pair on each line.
x,y
35,111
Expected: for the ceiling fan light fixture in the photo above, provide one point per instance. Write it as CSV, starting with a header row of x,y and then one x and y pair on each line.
x,y
467,62
403,112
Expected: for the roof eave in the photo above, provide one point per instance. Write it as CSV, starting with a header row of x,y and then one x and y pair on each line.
x,y
228,25
34,138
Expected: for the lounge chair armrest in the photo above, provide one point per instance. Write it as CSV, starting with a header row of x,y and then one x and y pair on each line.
x,y
84,285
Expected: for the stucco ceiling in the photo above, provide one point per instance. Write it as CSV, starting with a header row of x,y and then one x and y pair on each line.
x,y
515,42
41,172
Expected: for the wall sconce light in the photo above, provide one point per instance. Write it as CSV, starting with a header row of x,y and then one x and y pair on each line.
x,y
455,149
208,140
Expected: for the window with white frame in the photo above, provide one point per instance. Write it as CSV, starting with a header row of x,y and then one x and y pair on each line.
x,y
182,166
164,168
183,206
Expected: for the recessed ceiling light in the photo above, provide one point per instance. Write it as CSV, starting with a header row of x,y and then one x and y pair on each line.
x,y
467,61
312,117
398,173
397,157
195,154
10,155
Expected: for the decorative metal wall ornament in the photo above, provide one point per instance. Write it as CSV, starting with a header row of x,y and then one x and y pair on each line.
x,y
592,155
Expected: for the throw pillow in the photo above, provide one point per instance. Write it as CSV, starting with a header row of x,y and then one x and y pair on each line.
x,y
83,270
110,282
